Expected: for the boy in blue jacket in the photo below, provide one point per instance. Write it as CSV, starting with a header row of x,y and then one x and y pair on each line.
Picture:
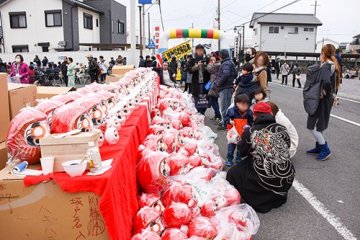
x,y
240,117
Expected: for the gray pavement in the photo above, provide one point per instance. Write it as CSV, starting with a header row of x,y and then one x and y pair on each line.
x,y
335,183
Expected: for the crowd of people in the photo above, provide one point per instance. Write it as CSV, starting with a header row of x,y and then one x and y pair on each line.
x,y
46,72
265,140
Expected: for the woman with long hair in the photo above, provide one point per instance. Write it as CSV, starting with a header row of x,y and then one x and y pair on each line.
x,y
261,62
318,122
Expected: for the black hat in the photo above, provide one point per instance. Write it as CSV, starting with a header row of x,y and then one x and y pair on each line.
x,y
248,67
224,53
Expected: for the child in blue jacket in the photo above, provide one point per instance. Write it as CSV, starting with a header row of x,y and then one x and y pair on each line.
x,y
240,117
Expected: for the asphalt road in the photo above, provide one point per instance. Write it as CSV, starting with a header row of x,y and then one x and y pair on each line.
x,y
329,208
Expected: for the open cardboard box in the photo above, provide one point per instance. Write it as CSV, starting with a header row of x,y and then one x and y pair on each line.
x,y
48,92
44,211
4,109
122,69
113,78
71,147
21,95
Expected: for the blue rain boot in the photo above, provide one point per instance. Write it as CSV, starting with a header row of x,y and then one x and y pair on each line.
x,y
315,150
324,152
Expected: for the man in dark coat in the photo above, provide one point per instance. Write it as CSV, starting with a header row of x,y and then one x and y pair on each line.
x,y
200,77
64,70
173,64
92,69
224,82
265,175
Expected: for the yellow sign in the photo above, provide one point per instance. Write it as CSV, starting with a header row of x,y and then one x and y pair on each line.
x,y
178,51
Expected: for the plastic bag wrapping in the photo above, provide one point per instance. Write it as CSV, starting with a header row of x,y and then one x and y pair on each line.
x,y
70,117
150,200
202,227
47,106
176,215
179,192
173,234
178,163
148,219
236,222
146,235
232,136
207,133
153,171
25,131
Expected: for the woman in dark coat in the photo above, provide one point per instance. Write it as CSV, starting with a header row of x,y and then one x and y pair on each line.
x,y
265,174
318,123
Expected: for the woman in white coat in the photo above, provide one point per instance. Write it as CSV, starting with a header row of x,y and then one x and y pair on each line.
x,y
280,118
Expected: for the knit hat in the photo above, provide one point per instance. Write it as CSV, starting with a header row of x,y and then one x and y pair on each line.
x,y
262,107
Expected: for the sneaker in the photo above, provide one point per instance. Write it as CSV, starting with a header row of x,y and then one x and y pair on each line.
x,y
218,120
238,162
229,163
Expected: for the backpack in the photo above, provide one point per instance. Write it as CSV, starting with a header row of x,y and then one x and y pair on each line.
x,y
234,72
312,89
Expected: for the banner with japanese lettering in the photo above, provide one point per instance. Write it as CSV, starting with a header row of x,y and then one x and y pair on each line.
x,y
178,51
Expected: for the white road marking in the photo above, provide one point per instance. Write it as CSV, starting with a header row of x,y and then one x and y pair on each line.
x,y
323,211
345,120
348,99
300,89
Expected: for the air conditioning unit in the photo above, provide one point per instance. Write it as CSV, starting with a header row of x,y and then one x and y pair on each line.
x,y
62,44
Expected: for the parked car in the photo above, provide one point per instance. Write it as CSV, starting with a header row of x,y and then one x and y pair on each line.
x,y
350,74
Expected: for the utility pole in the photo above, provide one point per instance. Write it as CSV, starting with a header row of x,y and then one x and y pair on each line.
x,y
133,32
315,7
218,12
143,23
141,40
149,26
192,40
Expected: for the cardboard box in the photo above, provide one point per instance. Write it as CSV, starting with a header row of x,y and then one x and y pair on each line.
x,y
21,95
67,148
113,78
4,107
44,211
3,155
122,69
48,92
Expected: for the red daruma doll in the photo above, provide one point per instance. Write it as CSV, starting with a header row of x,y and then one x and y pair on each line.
x,y
70,117
25,131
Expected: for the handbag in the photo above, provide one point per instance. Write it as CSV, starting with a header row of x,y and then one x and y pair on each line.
x,y
208,86
201,101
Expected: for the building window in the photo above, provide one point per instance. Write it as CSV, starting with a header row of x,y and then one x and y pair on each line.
x,y
112,25
308,29
273,30
20,48
121,27
18,19
53,18
293,30
88,21
97,22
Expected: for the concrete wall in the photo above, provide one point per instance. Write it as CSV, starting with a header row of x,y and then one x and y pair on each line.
x,y
71,31
78,56
113,12
301,42
88,35
36,30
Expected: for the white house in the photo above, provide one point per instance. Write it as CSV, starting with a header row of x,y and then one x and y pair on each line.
x,y
284,32
324,41
59,25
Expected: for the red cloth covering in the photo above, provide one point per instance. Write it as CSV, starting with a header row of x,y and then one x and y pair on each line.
x,y
117,187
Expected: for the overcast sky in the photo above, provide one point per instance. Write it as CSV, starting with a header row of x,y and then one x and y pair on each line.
x,y
340,18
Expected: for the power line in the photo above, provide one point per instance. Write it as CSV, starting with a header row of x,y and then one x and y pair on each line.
x,y
265,14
